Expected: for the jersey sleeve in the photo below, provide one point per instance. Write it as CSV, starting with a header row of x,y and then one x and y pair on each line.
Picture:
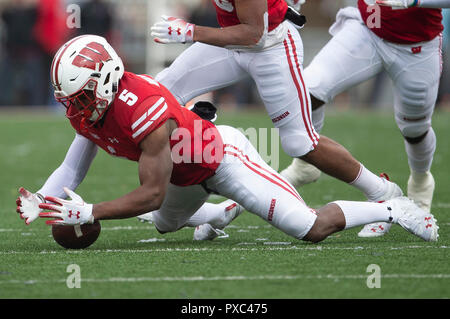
x,y
148,116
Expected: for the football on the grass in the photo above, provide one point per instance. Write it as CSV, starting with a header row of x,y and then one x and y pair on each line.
x,y
76,237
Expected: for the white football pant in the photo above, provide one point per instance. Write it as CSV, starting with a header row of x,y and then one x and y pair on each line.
x,y
276,70
245,178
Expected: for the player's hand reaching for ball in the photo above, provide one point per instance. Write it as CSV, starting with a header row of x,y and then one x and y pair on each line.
x,y
28,205
172,30
67,212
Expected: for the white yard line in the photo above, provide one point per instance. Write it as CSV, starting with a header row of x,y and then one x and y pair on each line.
x,y
228,278
230,249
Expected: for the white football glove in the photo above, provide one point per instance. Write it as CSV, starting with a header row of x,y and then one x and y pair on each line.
x,y
28,205
398,3
172,30
67,212
296,4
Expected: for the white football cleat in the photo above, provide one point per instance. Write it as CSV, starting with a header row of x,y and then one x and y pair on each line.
x,y
146,218
207,232
300,173
380,229
421,188
414,219
375,230
211,231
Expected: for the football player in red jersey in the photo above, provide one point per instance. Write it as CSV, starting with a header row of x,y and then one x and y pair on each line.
x,y
258,38
181,159
405,42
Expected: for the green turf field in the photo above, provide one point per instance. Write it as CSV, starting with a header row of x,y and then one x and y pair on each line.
x,y
132,260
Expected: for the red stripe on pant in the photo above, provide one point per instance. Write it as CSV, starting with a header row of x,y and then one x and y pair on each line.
x,y
286,184
300,95
262,175
297,65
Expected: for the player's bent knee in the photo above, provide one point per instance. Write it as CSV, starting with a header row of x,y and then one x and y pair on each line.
x,y
415,140
163,226
414,129
296,145
296,223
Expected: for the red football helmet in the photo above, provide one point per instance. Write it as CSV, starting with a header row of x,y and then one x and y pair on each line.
x,y
85,75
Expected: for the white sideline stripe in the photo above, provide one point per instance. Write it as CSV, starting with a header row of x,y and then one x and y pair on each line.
x,y
230,278
149,111
231,249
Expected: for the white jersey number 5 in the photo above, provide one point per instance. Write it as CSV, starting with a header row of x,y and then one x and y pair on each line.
x,y
225,5
128,97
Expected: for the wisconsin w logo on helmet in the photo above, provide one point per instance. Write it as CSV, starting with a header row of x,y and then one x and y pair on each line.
x,y
92,57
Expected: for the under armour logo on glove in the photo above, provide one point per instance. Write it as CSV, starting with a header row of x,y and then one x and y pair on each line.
x,y
173,30
67,212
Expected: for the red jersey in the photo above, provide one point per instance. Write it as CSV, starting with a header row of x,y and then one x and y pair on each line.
x,y
404,26
227,16
143,105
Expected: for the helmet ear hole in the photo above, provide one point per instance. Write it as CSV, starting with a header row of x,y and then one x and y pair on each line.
x,y
107,78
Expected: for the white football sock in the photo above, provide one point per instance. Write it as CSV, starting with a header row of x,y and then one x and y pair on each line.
x,y
362,213
420,155
209,213
370,184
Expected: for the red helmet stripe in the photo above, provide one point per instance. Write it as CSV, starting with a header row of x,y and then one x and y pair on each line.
x,y
55,66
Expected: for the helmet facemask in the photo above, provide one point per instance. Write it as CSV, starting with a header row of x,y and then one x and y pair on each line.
x,y
85,104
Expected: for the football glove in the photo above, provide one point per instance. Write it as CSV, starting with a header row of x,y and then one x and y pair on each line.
x,y
296,4
28,205
172,30
398,3
67,212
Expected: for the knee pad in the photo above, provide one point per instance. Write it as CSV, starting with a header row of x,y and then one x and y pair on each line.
x,y
162,225
413,127
296,223
414,104
416,140
296,142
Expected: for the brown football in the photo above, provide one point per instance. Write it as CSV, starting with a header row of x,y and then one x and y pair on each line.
x,y
76,237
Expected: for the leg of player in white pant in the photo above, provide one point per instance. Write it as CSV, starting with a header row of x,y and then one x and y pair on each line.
x,y
297,133
200,69
416,83
245,178
178,206
346,60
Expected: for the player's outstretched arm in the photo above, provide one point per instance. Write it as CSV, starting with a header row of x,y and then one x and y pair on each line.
x,y
415,3
72,170
70,173
155,168
251,32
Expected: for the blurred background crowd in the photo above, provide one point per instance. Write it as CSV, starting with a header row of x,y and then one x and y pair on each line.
x,y
31,31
